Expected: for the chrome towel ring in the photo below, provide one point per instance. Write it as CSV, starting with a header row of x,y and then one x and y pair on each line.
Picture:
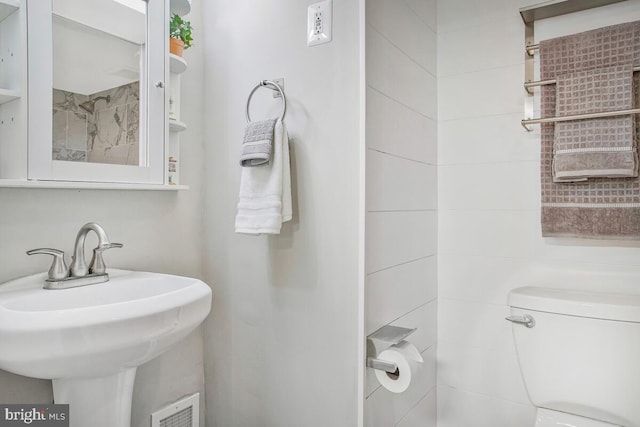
x,y
274,86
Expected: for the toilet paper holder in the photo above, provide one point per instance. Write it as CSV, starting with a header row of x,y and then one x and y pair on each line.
x,y
387,335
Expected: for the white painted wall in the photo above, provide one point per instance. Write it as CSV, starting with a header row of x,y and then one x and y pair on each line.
x,y
161,232
282,342
401,187
489,201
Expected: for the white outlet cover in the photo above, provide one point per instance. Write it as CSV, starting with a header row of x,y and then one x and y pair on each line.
x,y
324,9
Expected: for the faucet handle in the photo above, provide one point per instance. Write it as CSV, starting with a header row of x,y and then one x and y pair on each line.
x,y
59,269
97,265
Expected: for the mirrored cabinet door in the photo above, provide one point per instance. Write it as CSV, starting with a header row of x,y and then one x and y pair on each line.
x,y
97,90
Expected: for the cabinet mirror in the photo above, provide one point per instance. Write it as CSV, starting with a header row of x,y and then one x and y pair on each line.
x,y
96,90
97,66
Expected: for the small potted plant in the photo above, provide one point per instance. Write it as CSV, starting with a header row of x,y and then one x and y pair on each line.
x,y
179,34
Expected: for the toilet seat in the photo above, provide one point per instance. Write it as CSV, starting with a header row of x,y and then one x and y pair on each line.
x,y
549,418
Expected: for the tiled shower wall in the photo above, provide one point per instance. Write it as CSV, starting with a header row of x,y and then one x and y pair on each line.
x,y
109,135
489,200
401,187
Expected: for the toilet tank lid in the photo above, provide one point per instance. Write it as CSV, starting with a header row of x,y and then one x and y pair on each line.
x,y
598,305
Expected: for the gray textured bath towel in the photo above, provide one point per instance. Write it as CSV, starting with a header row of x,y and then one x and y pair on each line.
x,y
257,145
601,208
600,147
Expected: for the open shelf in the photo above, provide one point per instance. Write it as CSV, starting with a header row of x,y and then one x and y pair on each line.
x,y
177,125
177,65
7,7
7,95
24,183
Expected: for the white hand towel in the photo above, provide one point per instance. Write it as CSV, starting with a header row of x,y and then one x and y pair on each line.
x,y
265,191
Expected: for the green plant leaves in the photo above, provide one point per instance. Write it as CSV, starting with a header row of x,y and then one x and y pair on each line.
x,y
181,29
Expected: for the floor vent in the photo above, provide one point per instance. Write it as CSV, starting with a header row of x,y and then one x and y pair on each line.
x,y
183,413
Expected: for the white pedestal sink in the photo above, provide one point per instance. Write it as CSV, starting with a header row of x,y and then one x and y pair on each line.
x,y
90,340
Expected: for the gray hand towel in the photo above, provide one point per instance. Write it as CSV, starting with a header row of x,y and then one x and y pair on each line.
x,y
600,147
257,145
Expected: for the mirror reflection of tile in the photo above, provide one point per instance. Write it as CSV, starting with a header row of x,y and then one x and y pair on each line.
x,y
108,135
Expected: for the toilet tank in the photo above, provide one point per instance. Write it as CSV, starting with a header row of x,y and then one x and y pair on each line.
x,y
583,354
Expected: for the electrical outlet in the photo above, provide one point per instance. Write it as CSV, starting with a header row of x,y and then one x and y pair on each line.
x,y
319,23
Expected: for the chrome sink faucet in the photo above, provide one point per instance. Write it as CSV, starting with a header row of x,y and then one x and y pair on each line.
x,y
79,274
78,263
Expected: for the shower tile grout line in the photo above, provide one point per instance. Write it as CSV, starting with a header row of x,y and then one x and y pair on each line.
x,y
488,163
473,302
431,390
508,113
496,67
402,51
435,120
432,300
515,402
402,210
484,116
402,263
401,157
434,30
477,347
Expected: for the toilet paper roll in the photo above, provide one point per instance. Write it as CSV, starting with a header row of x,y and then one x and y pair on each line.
x,y
408,359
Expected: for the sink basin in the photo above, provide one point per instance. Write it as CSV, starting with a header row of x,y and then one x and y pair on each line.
x,y
90,340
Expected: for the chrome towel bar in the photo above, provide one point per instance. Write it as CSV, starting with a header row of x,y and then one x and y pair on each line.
x,y
270,85
529,85
577,117
531,50
540,12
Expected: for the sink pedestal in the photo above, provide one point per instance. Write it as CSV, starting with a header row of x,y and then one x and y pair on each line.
x,y
97,402
90,339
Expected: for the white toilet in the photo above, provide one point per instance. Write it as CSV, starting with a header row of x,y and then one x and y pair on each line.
x,y
579,355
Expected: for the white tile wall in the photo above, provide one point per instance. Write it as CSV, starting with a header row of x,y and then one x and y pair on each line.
x,y
507,185
481,93
426,10
394,292
479,278
394,183
501,233
488,198
484,51
394,238
404,132
461,408
424,318
401,228
396,75
464,15
423,414
403,28
474,325
459,141
479,370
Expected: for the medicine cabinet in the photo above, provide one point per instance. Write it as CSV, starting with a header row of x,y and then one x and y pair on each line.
x,y
84,94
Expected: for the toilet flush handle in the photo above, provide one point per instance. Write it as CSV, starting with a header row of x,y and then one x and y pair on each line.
x,y
525,320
